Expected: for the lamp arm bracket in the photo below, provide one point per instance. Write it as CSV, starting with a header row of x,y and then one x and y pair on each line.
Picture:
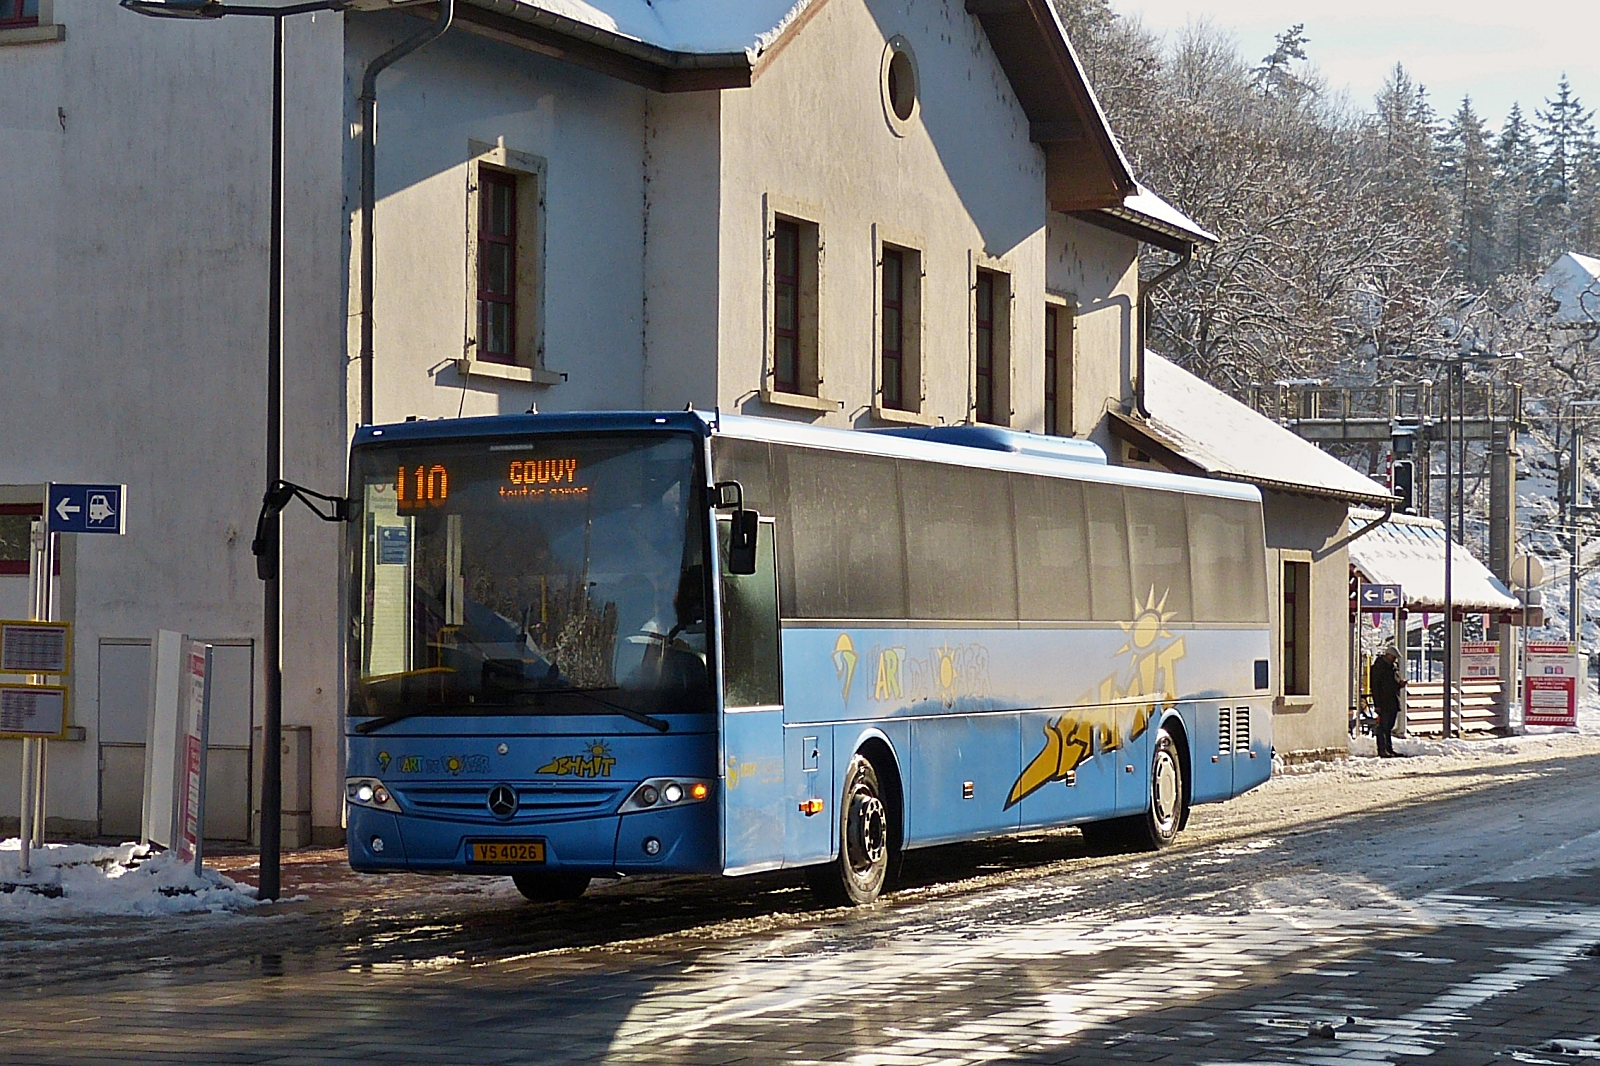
x,y
276,498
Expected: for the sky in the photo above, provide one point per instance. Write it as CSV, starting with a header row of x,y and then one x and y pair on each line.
x,y
1497,53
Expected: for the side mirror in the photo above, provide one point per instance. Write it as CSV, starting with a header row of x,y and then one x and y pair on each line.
x,y
742,542
728,496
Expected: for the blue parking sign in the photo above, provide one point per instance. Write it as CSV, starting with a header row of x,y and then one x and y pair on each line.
x,y
87,509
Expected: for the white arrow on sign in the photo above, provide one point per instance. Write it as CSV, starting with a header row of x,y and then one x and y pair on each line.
x,y
66,510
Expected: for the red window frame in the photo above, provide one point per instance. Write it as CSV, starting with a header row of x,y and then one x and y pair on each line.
x,y
1052,322
492,237
894,333
14,14
1291,628
984,372
786,306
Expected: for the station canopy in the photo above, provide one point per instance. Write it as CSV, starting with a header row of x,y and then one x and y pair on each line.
x,y
1409,551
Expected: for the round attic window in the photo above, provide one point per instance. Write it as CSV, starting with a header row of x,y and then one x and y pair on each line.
x,y
899,85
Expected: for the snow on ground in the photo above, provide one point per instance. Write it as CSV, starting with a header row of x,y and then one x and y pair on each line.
x,y
1426,753
82,880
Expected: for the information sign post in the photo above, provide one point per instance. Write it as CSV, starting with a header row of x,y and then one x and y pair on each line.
x,y
1550,685
38,710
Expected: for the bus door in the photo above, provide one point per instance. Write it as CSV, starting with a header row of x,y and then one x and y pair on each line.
x,y
752,794
1135,726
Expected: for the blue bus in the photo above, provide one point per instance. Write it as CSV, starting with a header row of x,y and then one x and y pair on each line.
x,y
613,644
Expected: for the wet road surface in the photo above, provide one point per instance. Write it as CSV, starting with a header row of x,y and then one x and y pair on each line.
x,y
1436,912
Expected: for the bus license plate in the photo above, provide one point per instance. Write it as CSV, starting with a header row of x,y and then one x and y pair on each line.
x,y
515,851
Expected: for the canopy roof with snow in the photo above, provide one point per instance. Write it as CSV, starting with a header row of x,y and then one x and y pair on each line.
x,y
1409,551
1198,429
1573,281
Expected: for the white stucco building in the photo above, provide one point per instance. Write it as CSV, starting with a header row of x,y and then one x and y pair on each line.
x,y
852,212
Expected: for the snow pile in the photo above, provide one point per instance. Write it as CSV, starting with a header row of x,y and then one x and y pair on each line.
x,y
75,880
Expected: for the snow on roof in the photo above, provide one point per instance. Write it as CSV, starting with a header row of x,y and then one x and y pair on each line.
x,y
1145,208
1409,551
1574,281
1226,439
694,26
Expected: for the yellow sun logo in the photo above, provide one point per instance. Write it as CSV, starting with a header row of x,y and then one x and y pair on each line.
x,y
1149,623
598,749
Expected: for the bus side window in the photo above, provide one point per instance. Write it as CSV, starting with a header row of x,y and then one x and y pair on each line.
x,y
751,667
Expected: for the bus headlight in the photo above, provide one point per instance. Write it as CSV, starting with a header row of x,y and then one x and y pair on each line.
x,y
369,792
665,792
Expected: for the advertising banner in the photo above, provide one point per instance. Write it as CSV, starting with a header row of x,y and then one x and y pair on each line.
x,y
1480,660
195,722
1550,687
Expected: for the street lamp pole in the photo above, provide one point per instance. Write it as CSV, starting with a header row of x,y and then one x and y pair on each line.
x,y
1575,509
1449,546
269,565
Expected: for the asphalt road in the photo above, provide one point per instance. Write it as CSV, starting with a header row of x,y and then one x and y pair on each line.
x,y
1438,909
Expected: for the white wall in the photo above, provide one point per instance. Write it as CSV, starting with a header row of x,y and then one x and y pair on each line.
x,y
133,332
965,180
590,131
1099,271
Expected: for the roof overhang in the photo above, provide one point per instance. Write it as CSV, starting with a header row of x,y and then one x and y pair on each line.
x,y
1169,452
1146,217
579,43
1084,166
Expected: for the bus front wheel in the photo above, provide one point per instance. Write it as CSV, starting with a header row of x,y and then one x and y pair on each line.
x,y
1166,813
857,876
550,888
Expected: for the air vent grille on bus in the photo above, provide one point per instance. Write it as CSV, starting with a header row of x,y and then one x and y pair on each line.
x,y
1241,729
1225,731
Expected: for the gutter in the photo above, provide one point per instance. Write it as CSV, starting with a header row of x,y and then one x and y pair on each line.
x,y
369,180
1146,289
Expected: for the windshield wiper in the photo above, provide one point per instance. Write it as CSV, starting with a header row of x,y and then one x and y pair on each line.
x,y
660,725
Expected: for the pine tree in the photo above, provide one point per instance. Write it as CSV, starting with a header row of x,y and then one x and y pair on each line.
x,y
1465,172
1275,76
1515,162
1566,137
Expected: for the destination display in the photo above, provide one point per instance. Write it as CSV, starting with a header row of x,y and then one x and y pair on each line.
x,y
421,486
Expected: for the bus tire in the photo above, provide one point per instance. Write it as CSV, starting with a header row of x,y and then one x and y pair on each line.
x,y
856,878
1167,811
550,888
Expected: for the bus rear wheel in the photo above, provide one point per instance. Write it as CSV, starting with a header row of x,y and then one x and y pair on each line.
x,y
550,888
857,876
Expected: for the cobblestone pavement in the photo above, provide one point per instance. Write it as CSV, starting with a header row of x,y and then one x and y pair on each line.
x,y
1452,917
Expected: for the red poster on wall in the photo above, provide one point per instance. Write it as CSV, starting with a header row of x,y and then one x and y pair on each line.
x,y
1550,686
195,722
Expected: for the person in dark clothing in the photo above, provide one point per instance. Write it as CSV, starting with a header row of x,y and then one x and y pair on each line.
x,y
1386,684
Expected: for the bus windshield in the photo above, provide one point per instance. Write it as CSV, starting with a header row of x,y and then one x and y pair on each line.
x,y
541,576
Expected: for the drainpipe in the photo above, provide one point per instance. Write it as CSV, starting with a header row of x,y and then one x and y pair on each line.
x,y
1146,288
369,179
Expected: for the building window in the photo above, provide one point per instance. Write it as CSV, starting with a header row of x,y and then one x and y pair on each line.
x,y
16,536
991,371
1058,367
796,245
1296,622
1051,351
497,267
898,84
900,277
894,306
505,260
18,13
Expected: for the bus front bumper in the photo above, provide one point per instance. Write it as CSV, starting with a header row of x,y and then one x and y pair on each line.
x,y
667,840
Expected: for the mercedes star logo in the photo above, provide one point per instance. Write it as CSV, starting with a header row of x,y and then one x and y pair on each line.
x,y
503,801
